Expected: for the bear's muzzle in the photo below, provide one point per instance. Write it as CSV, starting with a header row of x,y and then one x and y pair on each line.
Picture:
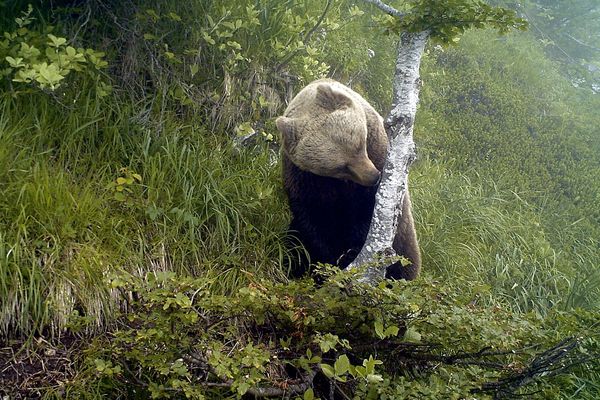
x,y
365,173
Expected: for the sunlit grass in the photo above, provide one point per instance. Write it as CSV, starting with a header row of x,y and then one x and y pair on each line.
x,y
202,207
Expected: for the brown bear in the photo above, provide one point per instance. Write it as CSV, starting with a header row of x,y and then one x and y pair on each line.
x,y
334,147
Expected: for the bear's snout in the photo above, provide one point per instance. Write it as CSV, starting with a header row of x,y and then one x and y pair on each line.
x,y
365,174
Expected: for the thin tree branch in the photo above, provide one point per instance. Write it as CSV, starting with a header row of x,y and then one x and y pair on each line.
x,y
556,360
386,8
306,38
300,387
589,46
84,23
319,21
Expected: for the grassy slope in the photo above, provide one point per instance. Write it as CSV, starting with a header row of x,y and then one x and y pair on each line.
x,y
202,207
517,147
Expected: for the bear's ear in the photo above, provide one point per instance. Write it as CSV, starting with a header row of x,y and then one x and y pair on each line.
x,y
288,130
332,99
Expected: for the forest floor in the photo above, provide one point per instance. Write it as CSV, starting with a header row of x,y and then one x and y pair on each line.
x,y
28,371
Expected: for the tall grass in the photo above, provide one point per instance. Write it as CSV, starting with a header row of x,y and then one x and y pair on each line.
x,y
491,242
202,207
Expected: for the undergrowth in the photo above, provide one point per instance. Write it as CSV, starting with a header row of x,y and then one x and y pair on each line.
x,y
336,340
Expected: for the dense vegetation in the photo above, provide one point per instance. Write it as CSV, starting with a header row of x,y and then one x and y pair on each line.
x,y
131,214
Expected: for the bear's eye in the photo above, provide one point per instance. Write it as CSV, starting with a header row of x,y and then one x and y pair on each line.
x,y
345,168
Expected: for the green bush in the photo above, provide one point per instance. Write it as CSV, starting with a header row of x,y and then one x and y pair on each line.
x,y
396,340
45,60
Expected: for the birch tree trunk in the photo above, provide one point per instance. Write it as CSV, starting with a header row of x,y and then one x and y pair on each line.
x,y
401,153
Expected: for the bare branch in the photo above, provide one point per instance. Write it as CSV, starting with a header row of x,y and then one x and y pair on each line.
x,y
582,43
304,383
386,8
559,359
319,21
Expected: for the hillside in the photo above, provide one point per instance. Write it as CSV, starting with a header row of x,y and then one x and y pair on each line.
x,y
137,231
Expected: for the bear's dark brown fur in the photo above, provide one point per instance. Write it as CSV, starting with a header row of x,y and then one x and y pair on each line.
x,y
334,146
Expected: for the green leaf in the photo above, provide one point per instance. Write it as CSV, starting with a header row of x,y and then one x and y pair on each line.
x,y
29,52
342,365
309,394
71,52
391,331
370,365
174,16
379,329
355,11
194,69
152,14
242,388
207,38
327,370
245,128
100,364
360,372
119,196
411,335
374,378
49,75
233,44
15,62
56,41
25,76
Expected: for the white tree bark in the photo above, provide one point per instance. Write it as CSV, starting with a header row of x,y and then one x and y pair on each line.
x,y
401,153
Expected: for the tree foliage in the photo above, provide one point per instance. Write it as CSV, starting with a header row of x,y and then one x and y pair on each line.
x,y
43,59
448,20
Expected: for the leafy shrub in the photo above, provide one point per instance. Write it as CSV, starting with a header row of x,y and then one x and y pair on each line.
x,y
410,340
45,60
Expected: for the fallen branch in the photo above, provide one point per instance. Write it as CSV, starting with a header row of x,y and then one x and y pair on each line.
x,y
558,359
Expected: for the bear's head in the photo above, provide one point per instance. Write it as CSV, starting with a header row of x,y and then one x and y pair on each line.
x,y
329,137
